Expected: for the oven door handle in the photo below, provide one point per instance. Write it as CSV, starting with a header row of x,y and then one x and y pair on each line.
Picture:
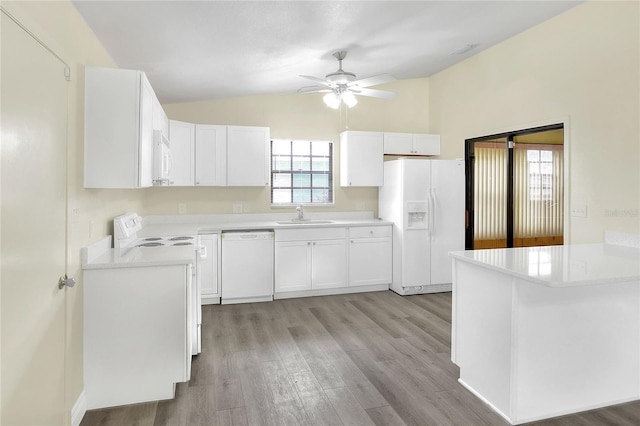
x,y
203,252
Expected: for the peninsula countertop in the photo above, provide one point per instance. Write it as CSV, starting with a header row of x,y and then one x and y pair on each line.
x,y
561,266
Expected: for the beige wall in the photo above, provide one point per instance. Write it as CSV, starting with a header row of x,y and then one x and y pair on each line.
x,y
582,67
61,28
294,116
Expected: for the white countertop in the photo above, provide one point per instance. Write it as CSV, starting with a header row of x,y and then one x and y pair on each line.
x,y
210,224
561,266
141,257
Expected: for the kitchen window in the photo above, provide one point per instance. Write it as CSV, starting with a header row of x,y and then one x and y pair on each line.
x,y
301,172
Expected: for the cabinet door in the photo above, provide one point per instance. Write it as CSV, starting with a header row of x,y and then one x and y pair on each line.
x,y
424,144
369,261
329,264
247,156
182,142
211,155
147,99
292,266
208,267
118,129
398,143
361,159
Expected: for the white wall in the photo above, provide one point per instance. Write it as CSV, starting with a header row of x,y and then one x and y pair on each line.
x,y
60,26
583,67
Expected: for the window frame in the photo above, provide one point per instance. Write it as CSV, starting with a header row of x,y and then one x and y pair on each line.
x,y
330,173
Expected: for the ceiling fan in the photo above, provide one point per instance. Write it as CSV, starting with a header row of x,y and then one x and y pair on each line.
x,y
341,86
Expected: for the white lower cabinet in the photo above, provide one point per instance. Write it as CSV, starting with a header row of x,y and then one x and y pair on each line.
x,y
209,270
310,259
370,257
292,265
328,264
138,326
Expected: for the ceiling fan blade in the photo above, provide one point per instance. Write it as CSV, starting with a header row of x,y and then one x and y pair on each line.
x,y
318,80
383,94
373,80
313,89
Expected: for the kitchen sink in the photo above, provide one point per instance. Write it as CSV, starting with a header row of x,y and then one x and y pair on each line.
x,y
304,222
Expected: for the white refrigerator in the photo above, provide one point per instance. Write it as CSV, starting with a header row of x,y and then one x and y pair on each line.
x,y
425,201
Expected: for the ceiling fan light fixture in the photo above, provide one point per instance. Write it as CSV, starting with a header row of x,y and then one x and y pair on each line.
x,y
332,100
349,100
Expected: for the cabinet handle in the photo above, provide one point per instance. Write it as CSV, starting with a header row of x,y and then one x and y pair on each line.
x,y
309,243
351,241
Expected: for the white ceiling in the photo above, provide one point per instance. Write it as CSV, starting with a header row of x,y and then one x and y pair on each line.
x,y
195,50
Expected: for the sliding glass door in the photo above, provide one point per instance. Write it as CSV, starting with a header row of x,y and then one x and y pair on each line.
x,y
515,189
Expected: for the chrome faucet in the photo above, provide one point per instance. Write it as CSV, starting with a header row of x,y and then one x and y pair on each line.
x,y
300,211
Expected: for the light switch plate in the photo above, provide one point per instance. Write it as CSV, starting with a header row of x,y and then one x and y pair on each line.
x,y
579,210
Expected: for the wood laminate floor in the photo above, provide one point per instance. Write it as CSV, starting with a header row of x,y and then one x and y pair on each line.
x,y
355,359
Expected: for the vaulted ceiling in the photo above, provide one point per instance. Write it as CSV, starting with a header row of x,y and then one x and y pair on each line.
x,y
195,50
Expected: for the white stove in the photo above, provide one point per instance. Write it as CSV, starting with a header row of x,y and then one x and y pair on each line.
x,y
126,228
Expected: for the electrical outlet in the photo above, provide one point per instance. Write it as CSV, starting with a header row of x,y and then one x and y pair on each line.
x,y
182,208
579,210
75,216
578,268
237,208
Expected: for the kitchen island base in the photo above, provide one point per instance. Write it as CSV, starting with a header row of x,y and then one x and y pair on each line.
x,y
534,350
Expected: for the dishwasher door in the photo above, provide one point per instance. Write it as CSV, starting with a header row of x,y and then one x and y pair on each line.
x,y
247,267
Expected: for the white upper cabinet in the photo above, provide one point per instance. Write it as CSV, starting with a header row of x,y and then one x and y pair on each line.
x,y
411,144
160,119
247,156
211,155
118,135
182,142
361,158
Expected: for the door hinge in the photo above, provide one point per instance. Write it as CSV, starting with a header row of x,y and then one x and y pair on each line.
x,y
67,73
511,144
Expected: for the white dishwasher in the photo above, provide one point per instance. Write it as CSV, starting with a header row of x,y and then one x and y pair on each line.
x,y
247,266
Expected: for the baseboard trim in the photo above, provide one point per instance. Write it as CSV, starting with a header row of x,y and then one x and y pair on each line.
x,y
79,409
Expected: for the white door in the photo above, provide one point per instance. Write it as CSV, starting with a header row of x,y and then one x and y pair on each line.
x,y
292,266
369,261
398,143
329,264
33,228
416,247
424,144
208,267
247,156
182,143
447,186
211,155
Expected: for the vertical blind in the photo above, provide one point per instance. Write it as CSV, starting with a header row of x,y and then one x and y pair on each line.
x,y
490,200
538,191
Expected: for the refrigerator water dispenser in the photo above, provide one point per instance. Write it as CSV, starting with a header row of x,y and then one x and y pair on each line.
x,y
416,215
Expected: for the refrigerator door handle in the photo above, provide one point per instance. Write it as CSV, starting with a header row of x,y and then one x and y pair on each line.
x,y
429,214
434,212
